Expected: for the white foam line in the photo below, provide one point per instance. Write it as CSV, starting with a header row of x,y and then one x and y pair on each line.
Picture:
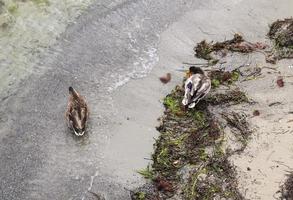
x,y
91,184
143,66
92,180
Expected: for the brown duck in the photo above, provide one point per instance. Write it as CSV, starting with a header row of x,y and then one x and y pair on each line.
x,y
77,112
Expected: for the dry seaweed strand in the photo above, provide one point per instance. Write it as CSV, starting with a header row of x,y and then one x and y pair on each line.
x,y
204,49
238,121
287,188
281,33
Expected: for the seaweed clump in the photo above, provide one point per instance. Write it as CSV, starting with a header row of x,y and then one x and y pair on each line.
x,y
204,49
232,97
240,127
220,77
190,160
287,188
281,33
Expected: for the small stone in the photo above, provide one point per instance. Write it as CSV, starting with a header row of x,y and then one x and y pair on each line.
x,y
176,162
202,177
256,113
280,81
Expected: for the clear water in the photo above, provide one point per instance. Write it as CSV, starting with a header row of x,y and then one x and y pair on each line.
x,y
27,28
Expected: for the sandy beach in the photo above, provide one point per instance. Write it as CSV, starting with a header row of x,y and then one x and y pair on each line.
x,y
269,152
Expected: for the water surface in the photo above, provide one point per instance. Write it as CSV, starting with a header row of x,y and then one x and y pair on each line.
x,y
28,28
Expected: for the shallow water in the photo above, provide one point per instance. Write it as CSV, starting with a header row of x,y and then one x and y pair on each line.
x,y
27,28
114,41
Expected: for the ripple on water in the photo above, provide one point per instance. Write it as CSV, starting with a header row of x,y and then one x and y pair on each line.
x,y
27,28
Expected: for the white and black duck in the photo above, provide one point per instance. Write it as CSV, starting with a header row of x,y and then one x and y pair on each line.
x,y
197,86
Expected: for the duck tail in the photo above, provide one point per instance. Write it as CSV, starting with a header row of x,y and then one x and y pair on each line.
x,y
73,92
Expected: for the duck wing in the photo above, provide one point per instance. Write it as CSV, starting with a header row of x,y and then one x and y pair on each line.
x,y
196,87
203,89
68,112
192,84
76,103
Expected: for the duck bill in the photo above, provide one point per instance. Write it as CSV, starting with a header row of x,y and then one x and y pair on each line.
x,y
77,133
188,74
81,134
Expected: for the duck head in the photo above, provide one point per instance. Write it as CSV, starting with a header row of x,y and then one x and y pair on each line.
x,y
194,70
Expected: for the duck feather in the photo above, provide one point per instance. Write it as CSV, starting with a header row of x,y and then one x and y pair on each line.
x,y
197,87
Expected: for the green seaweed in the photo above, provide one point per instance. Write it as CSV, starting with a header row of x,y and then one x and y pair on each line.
x,y
190,191
199,118
41,2
12,7
139,196
235,76
172,104
194,138
219,77
147,173
215,83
